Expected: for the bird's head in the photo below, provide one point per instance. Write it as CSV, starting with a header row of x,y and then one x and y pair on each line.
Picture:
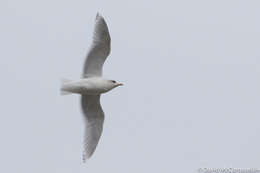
x,y
114,84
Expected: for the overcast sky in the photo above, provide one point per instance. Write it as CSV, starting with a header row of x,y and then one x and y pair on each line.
x,y
191,95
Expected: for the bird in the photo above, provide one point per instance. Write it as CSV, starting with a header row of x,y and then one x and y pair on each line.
x,y
91,85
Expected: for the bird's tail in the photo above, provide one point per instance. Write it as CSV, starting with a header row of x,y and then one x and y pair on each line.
x,y
63,90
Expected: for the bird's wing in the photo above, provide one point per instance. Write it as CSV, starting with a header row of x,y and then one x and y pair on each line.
x,y
94,118
99,49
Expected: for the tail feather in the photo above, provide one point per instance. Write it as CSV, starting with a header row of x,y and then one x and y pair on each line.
x,y
62,92
62,88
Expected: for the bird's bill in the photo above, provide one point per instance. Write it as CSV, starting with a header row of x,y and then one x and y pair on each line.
x,y
120,84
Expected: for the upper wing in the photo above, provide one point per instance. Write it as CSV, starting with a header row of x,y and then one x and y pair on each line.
x,y
99,49
94,118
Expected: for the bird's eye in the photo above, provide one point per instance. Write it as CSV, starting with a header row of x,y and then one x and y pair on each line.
x,y
113,81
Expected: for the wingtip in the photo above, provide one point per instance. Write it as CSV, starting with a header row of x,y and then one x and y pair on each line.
x,y
84,158
98,15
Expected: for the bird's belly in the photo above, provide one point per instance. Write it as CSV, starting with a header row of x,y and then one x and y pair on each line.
x,y
93,90
84,89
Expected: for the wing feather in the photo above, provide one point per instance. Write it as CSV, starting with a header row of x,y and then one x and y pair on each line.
x,y
99,49
94,119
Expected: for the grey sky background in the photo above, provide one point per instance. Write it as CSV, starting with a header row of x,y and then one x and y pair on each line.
x,y
191,93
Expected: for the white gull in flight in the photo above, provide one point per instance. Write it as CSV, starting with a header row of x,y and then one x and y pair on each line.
x,y
92,85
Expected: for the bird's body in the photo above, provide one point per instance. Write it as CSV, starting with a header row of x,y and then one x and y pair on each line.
x,y
89,86
92,85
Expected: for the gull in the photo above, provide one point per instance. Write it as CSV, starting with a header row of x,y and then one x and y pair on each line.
x,y
92,85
